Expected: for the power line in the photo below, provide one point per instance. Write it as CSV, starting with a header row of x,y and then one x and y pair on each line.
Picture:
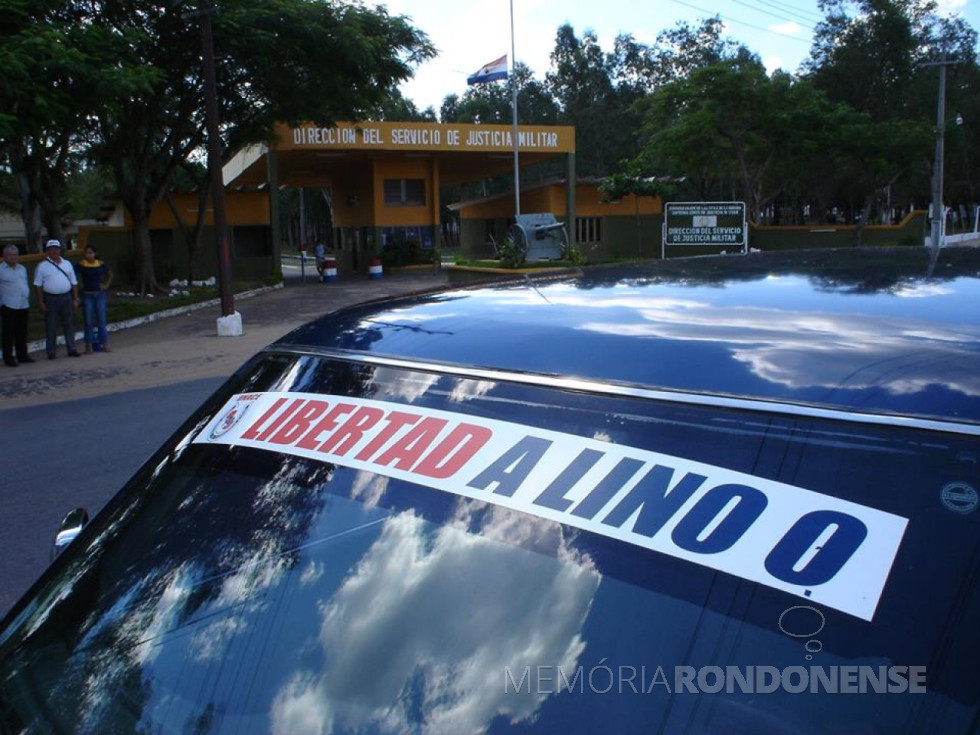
x,y
807,17
744,23
759,9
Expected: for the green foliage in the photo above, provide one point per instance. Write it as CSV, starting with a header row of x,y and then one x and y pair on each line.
x,y
493,103
397,108
511,254
573,254
402,251
618,185
86,192
90,88
580,81
120,84
873,57
683,49
309,208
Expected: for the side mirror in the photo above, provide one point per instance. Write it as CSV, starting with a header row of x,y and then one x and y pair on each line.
x,y
70,527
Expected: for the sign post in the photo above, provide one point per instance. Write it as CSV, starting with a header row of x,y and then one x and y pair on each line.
x,y
705,223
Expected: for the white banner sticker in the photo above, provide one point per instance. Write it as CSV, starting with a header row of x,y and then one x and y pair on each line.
x,y
824,549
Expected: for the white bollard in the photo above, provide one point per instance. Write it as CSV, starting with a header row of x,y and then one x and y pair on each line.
x,y
230,326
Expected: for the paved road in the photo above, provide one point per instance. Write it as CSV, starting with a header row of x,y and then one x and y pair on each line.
x,y
187,347
75,429
76,454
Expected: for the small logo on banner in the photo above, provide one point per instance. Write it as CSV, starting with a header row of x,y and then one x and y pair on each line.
x,y
227,422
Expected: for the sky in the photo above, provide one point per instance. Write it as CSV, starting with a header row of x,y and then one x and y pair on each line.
x,y
471,33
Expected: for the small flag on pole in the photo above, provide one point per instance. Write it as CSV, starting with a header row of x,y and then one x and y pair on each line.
x,y
491,72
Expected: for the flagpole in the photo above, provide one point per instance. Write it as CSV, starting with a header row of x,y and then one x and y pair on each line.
x,y
513,76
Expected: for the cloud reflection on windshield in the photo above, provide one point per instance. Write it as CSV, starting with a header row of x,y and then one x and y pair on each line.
x,y
787,347
391,657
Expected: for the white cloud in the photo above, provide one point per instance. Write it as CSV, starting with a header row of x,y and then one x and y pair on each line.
x,y
787,348
772,63
389,646
790,28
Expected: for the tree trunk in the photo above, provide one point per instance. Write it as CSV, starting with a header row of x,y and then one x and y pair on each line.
x,y
30,214
146,281
52,223
193,234
862,220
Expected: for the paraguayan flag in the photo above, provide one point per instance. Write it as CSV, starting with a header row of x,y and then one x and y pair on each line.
x,y
491,72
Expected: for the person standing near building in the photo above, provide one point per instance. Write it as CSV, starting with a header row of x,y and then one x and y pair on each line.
x,y
96,277
15,294
320,255
57,294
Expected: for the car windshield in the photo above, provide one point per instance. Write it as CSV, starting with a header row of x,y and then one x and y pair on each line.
x,y
234,587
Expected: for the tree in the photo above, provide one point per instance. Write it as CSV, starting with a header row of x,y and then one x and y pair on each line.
x,y
399,109
730,121
963,140
580,83
493,103
343,62
56,72
622,184
680,50
866,61
599,92
191,176
874,56
488,104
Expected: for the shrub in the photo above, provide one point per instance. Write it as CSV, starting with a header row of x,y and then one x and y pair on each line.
x,y
511,254
574,255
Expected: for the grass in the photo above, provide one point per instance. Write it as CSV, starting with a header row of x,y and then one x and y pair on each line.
x,y
122,307
523,266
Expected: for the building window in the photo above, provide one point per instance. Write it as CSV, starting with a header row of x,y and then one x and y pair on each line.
x,y
404,192
588,230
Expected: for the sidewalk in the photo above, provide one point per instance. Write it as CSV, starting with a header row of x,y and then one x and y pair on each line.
x,y
185,345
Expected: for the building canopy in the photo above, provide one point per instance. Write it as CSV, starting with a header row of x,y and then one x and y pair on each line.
x,y
309,154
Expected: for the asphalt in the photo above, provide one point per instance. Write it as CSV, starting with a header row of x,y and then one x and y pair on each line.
x,y
183,344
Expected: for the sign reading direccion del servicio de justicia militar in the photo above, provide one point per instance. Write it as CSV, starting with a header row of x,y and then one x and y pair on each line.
x,y
705,223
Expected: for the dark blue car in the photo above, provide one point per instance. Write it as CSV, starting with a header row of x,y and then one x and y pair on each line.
x,y
715,495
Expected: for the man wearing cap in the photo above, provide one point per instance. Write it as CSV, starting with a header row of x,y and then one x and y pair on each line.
x,y
57,295
15,296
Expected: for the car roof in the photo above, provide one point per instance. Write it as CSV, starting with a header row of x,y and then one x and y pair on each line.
x,y
886,332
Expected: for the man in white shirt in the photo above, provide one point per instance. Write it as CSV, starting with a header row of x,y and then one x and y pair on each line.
x,y
320,254
57,293
15,296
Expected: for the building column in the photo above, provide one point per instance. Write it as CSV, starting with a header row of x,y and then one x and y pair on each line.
x,y
570,187
435,212
272,176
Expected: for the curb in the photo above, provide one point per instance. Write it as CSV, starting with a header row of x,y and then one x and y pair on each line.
x,y
40,345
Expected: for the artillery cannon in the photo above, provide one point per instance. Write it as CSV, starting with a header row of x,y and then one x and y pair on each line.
x,y
539,236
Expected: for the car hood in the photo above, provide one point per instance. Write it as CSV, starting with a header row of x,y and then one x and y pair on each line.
x,y
883,331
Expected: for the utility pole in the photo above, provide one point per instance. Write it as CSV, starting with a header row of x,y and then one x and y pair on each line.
x,y
513,103
205,9
936,221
